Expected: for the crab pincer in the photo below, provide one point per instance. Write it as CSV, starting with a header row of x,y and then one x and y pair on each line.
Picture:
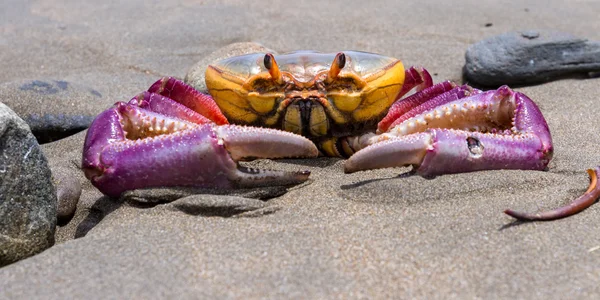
x,y
461,130
132,146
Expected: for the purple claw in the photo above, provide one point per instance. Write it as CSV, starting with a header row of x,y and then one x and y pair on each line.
x,y
492,130
130,147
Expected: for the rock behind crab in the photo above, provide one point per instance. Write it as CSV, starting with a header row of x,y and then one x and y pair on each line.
x,y
529,57
53,109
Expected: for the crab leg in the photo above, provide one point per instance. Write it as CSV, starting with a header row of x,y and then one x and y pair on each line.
x,y
492,130
129,147
166,106
578,205
177,90
415,77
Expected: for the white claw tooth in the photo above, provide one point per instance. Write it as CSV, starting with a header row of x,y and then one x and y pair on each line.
x,y
402,129
264,143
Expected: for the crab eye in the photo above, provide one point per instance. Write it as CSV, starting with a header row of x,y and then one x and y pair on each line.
x,y
336,67
273,68
268,61
341,59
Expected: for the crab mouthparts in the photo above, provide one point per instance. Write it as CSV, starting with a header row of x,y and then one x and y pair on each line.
x,y
306,117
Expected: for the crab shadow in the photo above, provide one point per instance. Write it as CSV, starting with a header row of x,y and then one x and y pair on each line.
x,y
514,223
226,207
412,173
251,202
99,210
369,181
317,162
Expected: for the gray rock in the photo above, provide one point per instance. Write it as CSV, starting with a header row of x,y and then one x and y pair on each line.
x,y
68,191
195,76
529,57
53,108
27,196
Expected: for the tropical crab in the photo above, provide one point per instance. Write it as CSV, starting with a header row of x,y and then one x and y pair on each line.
x,y
347,104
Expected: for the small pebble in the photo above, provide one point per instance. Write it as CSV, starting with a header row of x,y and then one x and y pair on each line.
x,y
68,191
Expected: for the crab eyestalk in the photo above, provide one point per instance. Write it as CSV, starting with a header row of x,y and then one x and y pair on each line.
x,y
336,67
274,71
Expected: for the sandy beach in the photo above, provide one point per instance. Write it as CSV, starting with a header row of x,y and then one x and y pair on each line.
x,y
375,234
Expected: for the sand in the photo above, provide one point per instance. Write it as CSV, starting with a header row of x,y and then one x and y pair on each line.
x,y
366,235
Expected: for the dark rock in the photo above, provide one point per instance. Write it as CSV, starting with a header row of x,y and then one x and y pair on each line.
x,y
50,128
195,76
27,196
529,57
68,191
53,109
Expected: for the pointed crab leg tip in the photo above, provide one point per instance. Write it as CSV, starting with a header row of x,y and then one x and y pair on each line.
x,y
396,152
578,205
157,86
521,216
349,168
372,161
253,142
354,167
251,178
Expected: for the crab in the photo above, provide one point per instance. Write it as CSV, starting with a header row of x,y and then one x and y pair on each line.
x,y
304,104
